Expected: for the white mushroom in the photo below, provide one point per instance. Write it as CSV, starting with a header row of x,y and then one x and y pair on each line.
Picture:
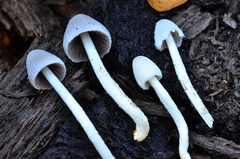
x,y
168,35
87,39
45,70
148,74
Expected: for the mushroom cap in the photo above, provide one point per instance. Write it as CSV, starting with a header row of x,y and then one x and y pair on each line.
x,y
36,61
72,42
144,69
162,29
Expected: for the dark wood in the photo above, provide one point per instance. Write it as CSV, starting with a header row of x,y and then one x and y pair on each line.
x,y
192,21
233,6
56,2
216,145
29,120
27,17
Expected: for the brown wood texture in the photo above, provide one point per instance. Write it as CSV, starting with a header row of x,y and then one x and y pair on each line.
x,y
28,119
216,145
28,17
192,21
58,2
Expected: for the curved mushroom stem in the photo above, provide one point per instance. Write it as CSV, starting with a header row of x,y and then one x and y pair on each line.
x,y
79,114
176,115
185,82
112,88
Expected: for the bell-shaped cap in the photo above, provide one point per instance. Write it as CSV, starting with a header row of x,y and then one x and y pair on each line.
x,y
72,42
144,69
36,61
163,28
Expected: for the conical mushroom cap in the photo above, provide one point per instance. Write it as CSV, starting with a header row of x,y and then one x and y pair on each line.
x,y
72,42
144,69
162,29
36,61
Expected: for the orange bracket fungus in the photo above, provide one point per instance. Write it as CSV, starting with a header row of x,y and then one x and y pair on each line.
x,y
165,5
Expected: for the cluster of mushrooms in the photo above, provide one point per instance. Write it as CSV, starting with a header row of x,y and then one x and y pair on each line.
x,y
87,39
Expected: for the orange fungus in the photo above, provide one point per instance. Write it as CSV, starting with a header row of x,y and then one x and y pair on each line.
x,y
165,5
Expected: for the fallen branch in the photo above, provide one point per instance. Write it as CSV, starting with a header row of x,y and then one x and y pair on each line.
x,y
216,145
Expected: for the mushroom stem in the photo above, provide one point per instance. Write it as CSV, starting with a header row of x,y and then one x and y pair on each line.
x,y
79,114
185,81
175,114
112,88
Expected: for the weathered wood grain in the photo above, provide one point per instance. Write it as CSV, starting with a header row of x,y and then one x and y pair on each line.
x,y
216,145
28,119
29,18
192,21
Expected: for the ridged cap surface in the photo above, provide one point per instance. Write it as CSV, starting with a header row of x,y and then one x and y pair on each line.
x,y
144,69
72,43
162,29
36,61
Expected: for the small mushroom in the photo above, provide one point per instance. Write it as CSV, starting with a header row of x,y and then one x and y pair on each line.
x,y
87,39
168,35
148,74
45,70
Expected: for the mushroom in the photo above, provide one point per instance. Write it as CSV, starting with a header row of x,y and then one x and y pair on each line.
x,y
168,35
87,39
148,74
46,70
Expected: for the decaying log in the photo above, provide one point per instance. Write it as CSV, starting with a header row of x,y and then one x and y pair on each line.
x,y
29,119
192,21
54,2
216,145
233,6
5,20
29,18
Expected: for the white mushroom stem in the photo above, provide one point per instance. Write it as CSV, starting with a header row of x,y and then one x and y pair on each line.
x,y
185,82
79,114
112,88
175,114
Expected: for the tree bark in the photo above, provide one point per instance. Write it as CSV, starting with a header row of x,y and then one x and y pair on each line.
x,y
29,119
29,18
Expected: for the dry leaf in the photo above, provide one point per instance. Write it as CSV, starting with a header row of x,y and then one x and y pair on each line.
x,y
165,5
